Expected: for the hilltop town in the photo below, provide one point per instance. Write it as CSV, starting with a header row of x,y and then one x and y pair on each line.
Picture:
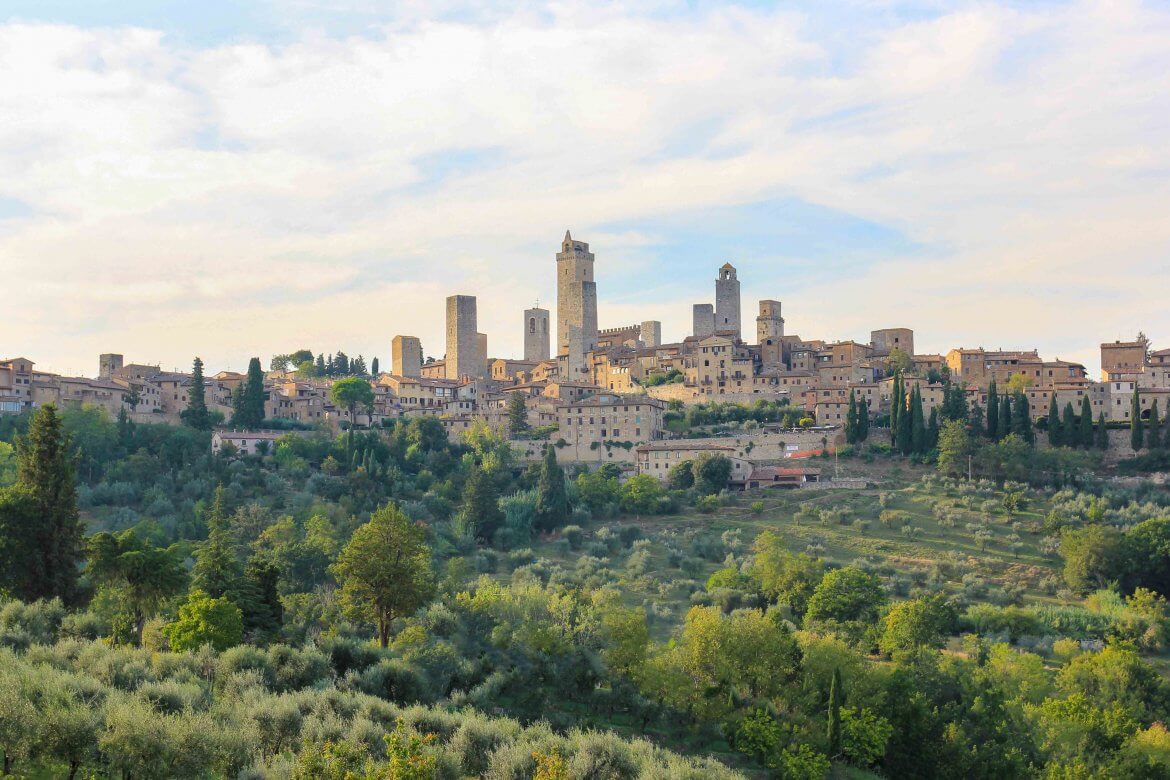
x,y
599,393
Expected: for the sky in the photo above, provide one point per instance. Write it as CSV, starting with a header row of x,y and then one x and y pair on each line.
x,y
229,179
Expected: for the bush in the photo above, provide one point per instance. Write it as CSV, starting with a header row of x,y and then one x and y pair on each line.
x,y
598,756
574,535
393,679
707,504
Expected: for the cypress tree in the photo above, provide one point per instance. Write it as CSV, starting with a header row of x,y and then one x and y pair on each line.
x,y
1086,422
1055,437
905,428
1022,418
125,430
1135,421
44,470
862,420
1154,428
1005,417
248,406
895,409
851,419
1102,433
932,430
836,695
1070,434
320,365
552,499
480,515
374,368
992,411
196,414
917,424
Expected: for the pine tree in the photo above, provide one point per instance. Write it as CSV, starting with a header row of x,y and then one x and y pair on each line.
x,y
552,499
1135,421
1022,418
1070,434
248,406
992,411
1055,432
836,697
374,370
1102,433
932,430
1086,422
217,570
917,424
1154,428
1005,417
851,419
196,414
44,470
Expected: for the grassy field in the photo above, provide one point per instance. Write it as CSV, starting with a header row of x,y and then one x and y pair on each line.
x,y
985,543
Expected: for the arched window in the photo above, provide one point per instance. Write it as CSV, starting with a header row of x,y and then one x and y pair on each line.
x,y
532,324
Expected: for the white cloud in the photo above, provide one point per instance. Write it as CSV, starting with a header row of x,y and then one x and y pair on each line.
x,y
249,198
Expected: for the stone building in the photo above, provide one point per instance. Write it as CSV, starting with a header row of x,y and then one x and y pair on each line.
x,y
1122,357
406,356
727,302
610,417
576,294
16,383
537,339
463,357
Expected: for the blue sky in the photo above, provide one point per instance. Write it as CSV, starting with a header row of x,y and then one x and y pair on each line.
x,y
246,178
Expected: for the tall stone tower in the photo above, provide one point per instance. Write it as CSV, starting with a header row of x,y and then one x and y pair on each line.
x,y
406,356
108,363
482,348
536,334
463,357
770,333
576,294
727,301
651,333
702,320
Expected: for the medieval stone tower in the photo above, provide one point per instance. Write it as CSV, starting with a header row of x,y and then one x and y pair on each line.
x,y
108,363
536,334
651,333
463,358
770,333
702,320
727,302
576,294
406,356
